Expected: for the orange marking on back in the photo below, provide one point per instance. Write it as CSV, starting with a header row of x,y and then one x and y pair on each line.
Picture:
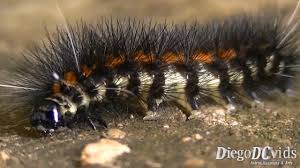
x,y
142,58
70,78
56,88
87,71
206,58
227,54
171,58
113,62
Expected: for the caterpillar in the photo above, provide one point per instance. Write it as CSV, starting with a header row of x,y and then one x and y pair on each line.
x,y
65,80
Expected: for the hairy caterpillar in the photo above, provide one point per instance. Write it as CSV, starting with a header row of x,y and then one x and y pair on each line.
x,y
149,63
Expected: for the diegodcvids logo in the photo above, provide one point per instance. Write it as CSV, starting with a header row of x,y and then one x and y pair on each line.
x,y
256,153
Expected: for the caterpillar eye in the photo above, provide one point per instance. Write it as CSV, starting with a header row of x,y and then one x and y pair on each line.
x,y
47,117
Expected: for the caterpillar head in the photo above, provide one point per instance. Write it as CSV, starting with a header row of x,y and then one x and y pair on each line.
x,y
52,113
46,117
67,98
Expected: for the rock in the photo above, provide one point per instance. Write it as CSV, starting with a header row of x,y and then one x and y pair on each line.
x,y
7,160
151,116
220,112
120,125
194,163
166,127
4,156
234,123
103,152
153,164
197,137
116,134
195,114
193,138
131,116
186,139
268,110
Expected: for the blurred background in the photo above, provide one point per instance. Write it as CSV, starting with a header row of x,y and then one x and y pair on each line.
x,y
23,22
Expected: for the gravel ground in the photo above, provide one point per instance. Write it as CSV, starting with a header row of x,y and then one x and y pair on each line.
x,y
168,142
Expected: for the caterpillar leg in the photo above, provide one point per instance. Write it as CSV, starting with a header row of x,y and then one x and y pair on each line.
x,y
225,88
286,83
110,94
248,82
226,92
281,74
261,65
81,116
154,98
192,90
88,115
134,83
263,78
94,114
285,80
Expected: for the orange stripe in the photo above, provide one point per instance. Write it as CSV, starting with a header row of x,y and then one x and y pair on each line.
x,y
87,71
56,88
70,78
206,58
142,58
113,62
171,58
227,54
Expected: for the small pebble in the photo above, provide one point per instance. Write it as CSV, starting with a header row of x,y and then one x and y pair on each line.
x,y
234,123
116,133
153,164
220,112
186,139
268,110
275,113
197,137
166,126
103,152
131,116
120,125
193,163
4,156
